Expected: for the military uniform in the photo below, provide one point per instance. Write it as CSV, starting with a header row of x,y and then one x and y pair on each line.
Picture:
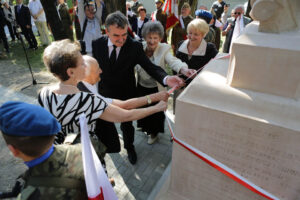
x,y
58,177
211,35
178,33
162,18
57,173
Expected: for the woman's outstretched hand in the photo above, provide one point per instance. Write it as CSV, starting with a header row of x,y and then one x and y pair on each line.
x,y
161,106
160,96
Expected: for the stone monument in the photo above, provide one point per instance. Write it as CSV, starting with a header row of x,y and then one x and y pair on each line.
x,y
243,112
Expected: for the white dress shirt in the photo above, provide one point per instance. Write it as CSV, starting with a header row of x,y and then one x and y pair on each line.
x,y
111,48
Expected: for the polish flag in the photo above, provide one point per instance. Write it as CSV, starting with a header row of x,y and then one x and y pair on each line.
x,y
97,184
171,8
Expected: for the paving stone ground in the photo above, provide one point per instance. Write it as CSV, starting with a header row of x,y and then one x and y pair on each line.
x,y
132,181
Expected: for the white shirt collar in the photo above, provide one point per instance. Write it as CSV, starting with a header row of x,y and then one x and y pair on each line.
x,y
200,51
109,44
92,88
110,47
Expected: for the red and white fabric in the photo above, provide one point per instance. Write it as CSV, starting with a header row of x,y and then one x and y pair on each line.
x,y
97,184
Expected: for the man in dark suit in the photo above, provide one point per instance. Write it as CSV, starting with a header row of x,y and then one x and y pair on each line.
x,y
118,55
23,18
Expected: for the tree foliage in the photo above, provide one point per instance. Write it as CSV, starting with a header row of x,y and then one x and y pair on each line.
x,y
114,5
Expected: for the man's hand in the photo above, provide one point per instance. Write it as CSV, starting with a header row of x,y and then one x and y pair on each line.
x,y
175,81
188,72
28,26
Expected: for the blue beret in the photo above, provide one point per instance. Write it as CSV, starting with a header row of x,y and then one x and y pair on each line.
x,y
203,14
23,119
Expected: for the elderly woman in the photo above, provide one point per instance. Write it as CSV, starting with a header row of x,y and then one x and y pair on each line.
x,y
161,55
66,102
195,51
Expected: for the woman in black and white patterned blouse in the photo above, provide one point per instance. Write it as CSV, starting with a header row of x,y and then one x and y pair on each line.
x,y
66,102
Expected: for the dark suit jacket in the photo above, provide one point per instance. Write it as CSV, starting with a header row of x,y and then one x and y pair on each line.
x,y
23,17
105,131
118,81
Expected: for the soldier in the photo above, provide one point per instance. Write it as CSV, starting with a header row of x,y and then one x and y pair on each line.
x,y
179,31
160,16
55,171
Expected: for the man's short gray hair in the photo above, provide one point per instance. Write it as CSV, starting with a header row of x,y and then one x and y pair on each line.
x,y
153,27
116,18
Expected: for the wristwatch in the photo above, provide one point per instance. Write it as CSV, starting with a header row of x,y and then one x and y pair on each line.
x,y
149,101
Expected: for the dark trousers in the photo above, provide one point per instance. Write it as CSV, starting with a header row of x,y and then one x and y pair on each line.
x,y
108,135
3,37
128,135
29,36
11,30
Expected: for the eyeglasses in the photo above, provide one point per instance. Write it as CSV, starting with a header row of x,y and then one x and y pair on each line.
x,y
237,13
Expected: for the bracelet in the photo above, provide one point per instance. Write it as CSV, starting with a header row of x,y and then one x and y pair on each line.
x,y
149,101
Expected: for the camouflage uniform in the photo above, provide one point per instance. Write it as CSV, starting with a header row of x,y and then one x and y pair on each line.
x,y
60,176
211,35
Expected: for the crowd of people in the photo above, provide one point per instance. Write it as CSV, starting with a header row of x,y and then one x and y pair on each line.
x,y
121,78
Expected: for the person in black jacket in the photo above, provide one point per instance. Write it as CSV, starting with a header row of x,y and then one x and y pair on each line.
x,y
23,18
2,33
117,55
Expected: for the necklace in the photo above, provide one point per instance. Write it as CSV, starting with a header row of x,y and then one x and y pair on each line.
x,y
66,85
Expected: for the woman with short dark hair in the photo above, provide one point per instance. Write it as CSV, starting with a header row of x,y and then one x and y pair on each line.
x,y
161,55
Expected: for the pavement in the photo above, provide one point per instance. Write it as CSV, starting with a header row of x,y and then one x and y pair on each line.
x,y
132,181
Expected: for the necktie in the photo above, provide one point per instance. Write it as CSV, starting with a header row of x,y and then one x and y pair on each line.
x,y
113,56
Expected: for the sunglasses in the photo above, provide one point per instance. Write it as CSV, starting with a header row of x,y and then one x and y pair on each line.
x,y
237,13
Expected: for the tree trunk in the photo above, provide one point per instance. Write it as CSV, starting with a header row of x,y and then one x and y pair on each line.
x,y
53,19
193,4
114,5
